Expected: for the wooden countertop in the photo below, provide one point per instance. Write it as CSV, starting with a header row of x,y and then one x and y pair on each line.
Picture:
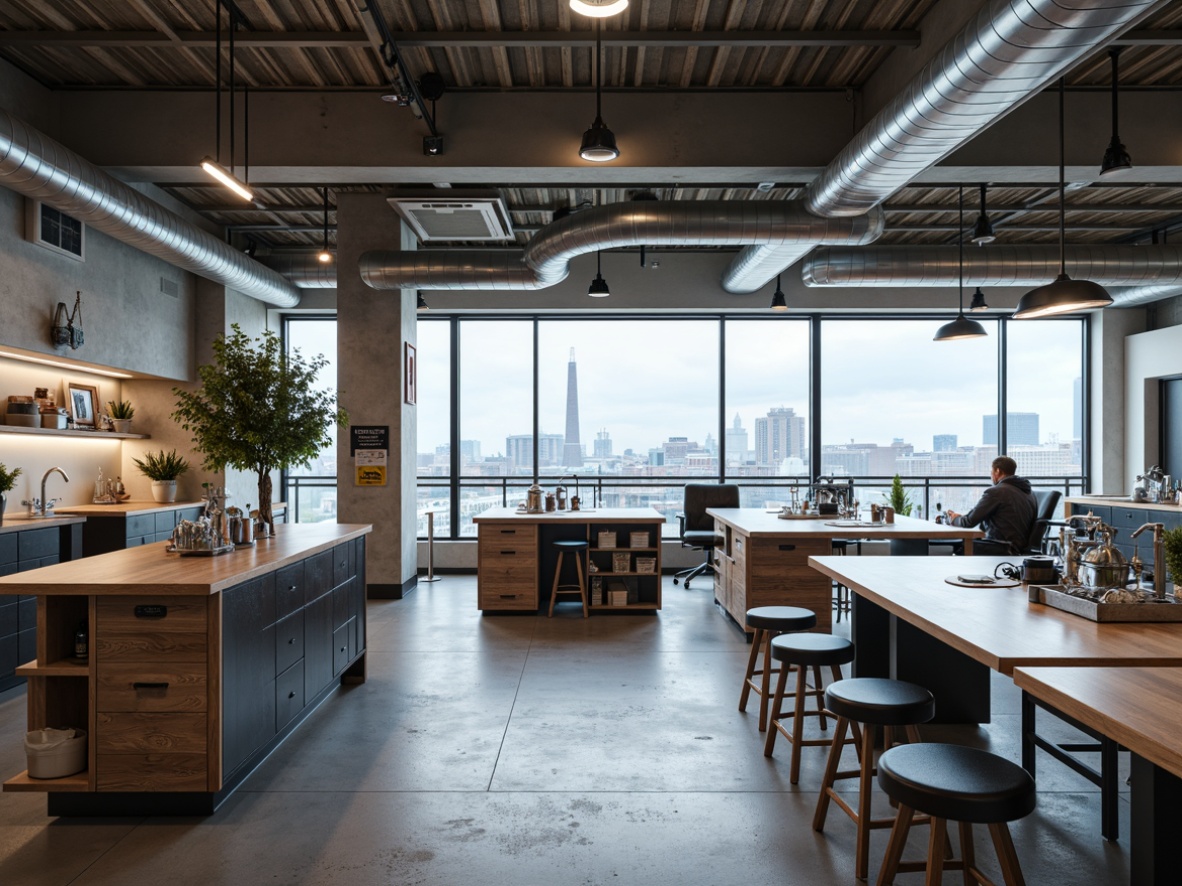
x,y
150,569
1139,707
21,522
135,508
759,522
1121,501
998,627
586,515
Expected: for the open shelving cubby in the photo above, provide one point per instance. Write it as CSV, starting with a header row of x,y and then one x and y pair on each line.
x,y
611,547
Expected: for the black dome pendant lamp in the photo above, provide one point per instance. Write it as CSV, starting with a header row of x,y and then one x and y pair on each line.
x,y
962,326
599,142
598,287
1064,295
983,232
1116,156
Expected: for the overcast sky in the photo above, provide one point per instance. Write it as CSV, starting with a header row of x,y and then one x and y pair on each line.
x,y
646,380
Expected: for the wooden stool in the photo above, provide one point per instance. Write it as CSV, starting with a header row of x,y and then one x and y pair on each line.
x,y
769,622
954,783
576,548
867,702
804,651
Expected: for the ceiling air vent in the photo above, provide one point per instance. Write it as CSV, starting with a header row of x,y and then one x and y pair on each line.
x,y
455,217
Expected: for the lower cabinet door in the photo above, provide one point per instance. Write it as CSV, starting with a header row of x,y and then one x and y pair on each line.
x,y
289,694
289,643
342,646
123,733
318,645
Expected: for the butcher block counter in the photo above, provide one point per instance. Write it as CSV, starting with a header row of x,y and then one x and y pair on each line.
x,y
196,667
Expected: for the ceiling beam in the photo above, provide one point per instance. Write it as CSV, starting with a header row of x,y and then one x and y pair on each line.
x,y
460,39
1116,208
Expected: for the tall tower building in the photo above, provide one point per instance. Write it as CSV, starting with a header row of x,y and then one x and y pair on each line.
x,y
603,444
778,436
572,450
736,442
1021,429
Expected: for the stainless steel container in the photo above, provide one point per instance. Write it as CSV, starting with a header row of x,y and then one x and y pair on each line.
x,y
1104,566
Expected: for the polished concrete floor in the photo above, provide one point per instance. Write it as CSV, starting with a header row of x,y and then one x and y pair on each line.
x,y
533,752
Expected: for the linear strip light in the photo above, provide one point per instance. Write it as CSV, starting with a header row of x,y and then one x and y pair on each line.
x,y
226,177
110,373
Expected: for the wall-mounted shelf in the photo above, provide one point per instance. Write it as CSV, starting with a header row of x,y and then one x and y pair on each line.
x,y
54,432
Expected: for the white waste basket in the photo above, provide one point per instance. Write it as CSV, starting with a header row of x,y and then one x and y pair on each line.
x,y
55,753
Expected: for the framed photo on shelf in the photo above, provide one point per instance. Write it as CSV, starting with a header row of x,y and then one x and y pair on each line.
x,y
411,373
83,402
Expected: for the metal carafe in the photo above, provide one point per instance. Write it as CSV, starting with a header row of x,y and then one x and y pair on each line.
x,y
1104,566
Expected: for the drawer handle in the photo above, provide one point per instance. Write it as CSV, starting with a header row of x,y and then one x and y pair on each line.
x,y
151,611
149,685
291,695
508,553
787,547
342,649
508,532
508,596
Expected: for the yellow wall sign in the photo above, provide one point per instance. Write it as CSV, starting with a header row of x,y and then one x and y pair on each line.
x,y
371,475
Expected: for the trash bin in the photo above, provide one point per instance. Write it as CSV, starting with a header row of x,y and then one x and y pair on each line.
x,y
54,753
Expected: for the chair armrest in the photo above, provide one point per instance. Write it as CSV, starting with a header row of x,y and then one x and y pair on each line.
x,y
680,524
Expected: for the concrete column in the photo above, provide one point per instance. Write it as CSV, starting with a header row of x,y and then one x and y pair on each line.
x,y
373,329
1108,453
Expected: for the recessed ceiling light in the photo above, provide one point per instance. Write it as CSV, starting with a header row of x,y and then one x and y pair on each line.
x,y
598,8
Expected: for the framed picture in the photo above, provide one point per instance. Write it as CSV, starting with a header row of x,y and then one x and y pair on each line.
x,y
411,374
83,400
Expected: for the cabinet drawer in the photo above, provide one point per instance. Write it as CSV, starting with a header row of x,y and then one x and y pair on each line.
x,y
515,577
289,642
165,521
317,576
342,647
289,589
289,694
343,567
132,686
8,548
1127,519
493,535
151,772
151,628
160,733
140,525
496,596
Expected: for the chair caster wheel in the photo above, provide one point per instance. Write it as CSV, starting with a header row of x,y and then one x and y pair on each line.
x,y
676,580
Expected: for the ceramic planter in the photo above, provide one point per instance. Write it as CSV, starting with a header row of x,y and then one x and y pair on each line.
x,y
164,491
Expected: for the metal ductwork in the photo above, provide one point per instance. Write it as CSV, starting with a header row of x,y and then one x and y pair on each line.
x,y
1143,295
916,266
545,261
1008,52
303,269
35,165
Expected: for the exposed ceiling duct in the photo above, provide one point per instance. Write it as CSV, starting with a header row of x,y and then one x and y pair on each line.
x,y
1009,51
917,266
545,261
35,165
1143,295
303,269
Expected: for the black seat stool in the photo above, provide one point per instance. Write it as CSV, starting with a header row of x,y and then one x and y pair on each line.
x,y
954,783
576,549
769,622
862,705
805,651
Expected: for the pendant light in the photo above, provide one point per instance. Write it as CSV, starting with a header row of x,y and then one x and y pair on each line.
x,y
598,8
598,287
213,167
599,142
1064,295
1116,158
983,232
978,302
962,326
779,303
325,256
422,305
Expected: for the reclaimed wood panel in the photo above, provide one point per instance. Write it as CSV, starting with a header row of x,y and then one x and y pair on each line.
x,y
151,772
120,733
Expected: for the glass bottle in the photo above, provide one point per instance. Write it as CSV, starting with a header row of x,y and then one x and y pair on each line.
x,y
82,641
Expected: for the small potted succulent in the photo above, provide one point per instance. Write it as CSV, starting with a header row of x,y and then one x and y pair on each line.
x,y
162,468
7,482
121,413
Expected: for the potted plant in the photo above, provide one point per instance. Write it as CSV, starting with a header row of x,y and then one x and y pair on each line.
x,y
7,482
898,498
1172,542
162,468
258,409
121,413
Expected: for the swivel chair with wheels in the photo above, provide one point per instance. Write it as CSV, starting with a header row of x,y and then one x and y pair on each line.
x,y
696,527
1048,500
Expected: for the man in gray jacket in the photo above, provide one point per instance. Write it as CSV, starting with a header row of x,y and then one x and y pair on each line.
x,y
1006,511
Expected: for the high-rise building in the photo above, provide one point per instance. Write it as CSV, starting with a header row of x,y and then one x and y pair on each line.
x,y
780,435
1021,429
676,449
572,450
519,450
469,452
602,445
944,443
736,442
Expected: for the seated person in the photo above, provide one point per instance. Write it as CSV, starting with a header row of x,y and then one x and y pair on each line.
x,y
1006,512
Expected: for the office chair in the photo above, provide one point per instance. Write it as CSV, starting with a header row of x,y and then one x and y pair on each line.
x,y
696,527
1048,500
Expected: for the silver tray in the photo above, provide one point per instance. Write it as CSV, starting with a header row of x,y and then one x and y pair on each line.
x,y
204,552
1166,610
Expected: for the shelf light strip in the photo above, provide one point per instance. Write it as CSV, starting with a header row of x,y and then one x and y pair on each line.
x,y
110,373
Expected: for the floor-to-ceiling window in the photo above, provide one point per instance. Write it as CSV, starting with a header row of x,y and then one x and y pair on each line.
x,y
311,489
628,409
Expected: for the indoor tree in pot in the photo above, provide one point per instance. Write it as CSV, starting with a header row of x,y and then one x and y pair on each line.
x,y
258,409
7,482
162,468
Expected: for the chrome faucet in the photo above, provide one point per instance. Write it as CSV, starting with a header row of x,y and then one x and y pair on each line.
x,y
1159,556
43,507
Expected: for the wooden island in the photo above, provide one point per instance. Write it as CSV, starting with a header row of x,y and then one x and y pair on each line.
x,y
198,667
